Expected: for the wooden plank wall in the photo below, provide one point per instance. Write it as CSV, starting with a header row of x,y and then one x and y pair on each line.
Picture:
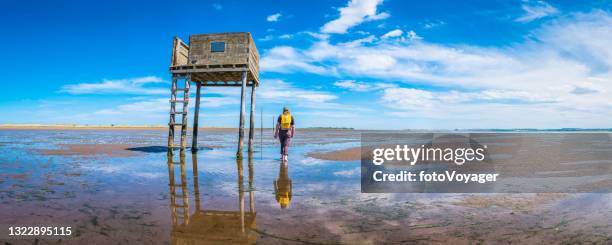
x,y
180,53
235,49
253,59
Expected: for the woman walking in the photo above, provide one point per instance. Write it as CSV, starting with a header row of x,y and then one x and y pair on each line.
x,y
285,130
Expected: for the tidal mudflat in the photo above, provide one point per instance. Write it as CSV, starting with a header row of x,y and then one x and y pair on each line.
x,y
121,187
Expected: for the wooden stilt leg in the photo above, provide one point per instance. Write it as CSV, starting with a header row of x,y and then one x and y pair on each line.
x,y
252,120
194,140
242,112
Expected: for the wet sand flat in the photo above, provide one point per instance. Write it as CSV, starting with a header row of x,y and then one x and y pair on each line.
x,y
350,154
148,197
114,150
572,162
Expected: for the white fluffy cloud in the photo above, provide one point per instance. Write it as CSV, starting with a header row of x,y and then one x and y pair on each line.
x,y
287,59
279,91
355,13
352,85
433,24
562,72
158,105
274,17
355,86
562,53
394,33
397,33
536,10
413,36
220,105
121,86
411,96
490,109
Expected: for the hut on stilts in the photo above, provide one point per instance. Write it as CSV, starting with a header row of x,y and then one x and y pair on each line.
x,y
222,60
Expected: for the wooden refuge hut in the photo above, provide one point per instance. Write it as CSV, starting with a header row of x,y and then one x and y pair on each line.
x,y
220,59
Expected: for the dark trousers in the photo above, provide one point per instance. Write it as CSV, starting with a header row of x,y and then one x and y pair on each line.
x,y
283,136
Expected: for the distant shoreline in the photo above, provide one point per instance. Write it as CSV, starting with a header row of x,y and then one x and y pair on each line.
x,y
128,127
76,126
164,127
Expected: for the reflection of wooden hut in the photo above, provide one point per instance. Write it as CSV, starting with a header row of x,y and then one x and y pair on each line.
x,y
209,226
220,59
212,226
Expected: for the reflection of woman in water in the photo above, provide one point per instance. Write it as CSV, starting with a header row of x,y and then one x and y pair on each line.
x,y
285,130
282,186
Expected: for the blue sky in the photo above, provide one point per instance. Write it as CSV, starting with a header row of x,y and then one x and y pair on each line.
x,y
352,63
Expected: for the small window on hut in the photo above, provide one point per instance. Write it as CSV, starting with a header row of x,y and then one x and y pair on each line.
x,y
217,47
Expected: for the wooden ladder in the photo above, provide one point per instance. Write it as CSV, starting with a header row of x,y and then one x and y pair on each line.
x,y
183,113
